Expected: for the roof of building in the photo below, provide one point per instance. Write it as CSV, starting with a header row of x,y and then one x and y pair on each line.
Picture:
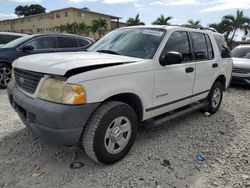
x,y
54,11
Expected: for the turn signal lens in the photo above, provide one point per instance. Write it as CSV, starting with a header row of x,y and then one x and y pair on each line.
x,y
74,94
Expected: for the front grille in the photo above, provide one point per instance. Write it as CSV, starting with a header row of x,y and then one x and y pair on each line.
x,y
241,70
27,80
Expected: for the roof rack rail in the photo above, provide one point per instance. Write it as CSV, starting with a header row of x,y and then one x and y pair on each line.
x,y
197,27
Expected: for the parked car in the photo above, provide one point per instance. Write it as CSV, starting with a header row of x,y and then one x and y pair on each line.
x,y
132,75
6,37
241,61
36,44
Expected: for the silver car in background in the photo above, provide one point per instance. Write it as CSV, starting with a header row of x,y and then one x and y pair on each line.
x,y
241,61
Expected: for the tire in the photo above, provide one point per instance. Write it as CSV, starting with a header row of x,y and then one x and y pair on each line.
x,y
215,98
110,132
5,75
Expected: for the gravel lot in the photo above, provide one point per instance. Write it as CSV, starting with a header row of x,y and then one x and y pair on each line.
x,y
165,157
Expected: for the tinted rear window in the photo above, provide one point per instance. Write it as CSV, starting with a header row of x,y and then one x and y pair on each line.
x,y
67,42
222,45
200,46
83,42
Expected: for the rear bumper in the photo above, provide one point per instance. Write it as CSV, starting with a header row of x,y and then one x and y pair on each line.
x,y
240,78
56,124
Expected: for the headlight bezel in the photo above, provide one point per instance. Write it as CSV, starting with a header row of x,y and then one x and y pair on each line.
x,y
57,90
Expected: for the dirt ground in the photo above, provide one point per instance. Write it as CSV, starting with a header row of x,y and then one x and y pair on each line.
x,y
164,157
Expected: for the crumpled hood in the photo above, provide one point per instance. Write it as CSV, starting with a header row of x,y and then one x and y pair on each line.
x,y
61,63
241,63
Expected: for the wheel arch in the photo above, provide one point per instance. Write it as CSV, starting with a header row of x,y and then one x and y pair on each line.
x,y
131,99
222,80
6,63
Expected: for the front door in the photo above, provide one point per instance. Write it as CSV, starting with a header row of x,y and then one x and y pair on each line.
x,y
174,83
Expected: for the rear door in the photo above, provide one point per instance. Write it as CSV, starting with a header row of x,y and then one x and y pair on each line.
x,y
206,66
174,83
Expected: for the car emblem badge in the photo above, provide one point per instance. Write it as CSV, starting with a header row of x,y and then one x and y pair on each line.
x,y
21,79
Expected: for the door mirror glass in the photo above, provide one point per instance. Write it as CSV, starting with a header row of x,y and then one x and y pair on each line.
x,y
27,48
170,58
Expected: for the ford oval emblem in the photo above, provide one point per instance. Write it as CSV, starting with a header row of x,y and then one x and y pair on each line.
x,y
21,79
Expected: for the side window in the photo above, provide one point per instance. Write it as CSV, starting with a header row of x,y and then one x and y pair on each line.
x,y
210,48
200,46
67,42
222,45
43,43
179,42
83,42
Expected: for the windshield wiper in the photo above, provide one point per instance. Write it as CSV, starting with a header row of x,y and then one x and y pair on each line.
x,y
108,52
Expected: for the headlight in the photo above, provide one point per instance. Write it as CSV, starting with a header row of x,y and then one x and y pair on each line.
x,y
12,75
60,92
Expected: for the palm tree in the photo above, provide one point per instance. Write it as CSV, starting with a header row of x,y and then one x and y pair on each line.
x,y
235,23
223,27
82,29
61,28
68,28
135,21
100,25
193,23
162,20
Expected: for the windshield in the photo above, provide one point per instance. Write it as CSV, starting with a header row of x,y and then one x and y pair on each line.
x,y
133,42
243,52
16,42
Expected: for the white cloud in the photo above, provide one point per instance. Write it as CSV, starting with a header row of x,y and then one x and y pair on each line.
x,y
80,1
118,1
221,5
7,16
27,1
182,2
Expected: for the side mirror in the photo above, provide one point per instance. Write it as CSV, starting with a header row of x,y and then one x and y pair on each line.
x,y
27,48
170,58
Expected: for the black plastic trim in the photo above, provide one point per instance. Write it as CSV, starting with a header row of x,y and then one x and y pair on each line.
x,y
172,102
79,70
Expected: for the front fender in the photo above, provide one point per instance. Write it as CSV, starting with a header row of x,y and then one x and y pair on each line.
x,y
140,84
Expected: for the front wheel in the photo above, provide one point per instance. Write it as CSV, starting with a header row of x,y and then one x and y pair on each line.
x,y
5,75
215,98
110,132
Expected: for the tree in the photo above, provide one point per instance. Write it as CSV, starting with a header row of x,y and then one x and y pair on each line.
x,y
224,27
235,23
135,21
100,25
162,20
29,10
193,23
83,29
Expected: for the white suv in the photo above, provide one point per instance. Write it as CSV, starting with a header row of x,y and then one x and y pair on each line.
x,y
132,75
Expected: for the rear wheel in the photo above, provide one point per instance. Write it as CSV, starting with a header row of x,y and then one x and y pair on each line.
x,y
215,98
110,132
5,75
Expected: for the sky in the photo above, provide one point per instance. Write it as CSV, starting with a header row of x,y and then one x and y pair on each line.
x,y
207,11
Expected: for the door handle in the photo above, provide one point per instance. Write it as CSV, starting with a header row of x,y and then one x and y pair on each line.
x,y
215,65
189,69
